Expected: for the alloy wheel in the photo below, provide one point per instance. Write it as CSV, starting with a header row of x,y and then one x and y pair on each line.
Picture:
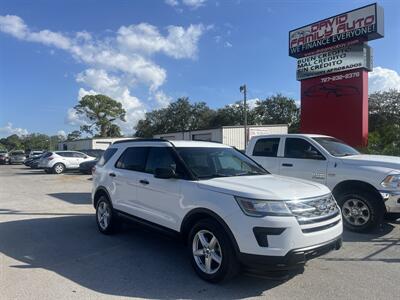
x,y
356,212
104,215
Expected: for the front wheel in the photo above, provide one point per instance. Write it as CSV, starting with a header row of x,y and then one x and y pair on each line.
x,y
211,252
361,211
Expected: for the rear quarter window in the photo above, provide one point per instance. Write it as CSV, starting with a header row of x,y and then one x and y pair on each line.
x,y
107,156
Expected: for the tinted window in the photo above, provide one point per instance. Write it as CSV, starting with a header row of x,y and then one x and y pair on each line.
x,y
161,157
78,155
218,162
133,158
65,154
106,156
336,147
266,147
299,148
47,154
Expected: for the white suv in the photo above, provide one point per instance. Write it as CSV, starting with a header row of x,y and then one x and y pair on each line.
x,y
58,161
230,211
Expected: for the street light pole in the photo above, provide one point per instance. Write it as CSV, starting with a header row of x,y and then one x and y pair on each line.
x,y
243,89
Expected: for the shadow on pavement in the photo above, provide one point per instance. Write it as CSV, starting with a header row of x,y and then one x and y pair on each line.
x,y
73,198
133,263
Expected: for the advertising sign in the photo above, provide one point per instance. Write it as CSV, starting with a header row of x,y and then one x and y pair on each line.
x,y
362,24
341,59
336,105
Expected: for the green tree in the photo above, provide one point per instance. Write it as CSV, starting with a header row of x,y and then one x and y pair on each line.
x,y
74,135
233,114
278,109
180,115
384,123
101,111
12,142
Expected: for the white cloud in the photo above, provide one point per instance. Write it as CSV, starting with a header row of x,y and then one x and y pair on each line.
x,y
119,60
62,133
194,4
145,38
382,79
162,99
172,2
228,45
10,130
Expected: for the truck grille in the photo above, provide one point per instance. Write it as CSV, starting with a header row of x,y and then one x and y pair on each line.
x,y
312,210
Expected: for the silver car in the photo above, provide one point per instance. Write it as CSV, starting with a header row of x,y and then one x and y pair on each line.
x,y
17,157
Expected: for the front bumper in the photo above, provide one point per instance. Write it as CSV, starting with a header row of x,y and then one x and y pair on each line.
x,y
392,201
295,258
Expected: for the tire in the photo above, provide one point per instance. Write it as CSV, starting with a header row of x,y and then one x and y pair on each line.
x,y
58,168
48,171
106,218
222,250
362,211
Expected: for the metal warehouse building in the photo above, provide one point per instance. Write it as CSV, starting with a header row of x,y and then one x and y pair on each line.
x,y
88,144
228,135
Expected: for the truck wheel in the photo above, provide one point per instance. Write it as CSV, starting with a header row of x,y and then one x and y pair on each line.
x,y
211,252
361,211
58,168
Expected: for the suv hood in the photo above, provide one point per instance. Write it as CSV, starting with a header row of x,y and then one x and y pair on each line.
x,y
392,162
270,187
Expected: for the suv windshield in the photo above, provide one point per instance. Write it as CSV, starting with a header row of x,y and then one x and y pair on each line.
x,y
208,163
336,147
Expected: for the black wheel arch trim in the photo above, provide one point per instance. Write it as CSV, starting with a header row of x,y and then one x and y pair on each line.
x,y
209,213
101,189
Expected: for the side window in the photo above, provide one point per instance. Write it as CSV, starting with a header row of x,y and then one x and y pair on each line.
x,y
160,157
299,148
133,158
78,155
106,156
266,147
65,154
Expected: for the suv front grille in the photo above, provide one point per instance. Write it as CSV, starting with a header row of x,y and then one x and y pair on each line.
x,y
314,210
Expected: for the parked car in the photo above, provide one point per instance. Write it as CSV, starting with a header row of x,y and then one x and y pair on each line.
x,y
33,162
59,161
17,157
4,157
87,166
230,211
365,186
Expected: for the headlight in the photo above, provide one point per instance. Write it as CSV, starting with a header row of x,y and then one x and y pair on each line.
x,y
262,208
391,181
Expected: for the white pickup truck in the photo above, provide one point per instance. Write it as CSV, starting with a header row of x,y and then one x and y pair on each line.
x,y
365,186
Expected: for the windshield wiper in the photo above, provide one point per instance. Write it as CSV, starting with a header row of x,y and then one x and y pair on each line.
x,y
214,176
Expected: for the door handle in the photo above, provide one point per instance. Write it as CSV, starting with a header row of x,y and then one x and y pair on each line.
x,y
143,181
287,165
112,174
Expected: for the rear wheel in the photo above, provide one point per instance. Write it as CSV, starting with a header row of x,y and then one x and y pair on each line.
x,y
211,252
58,168
361,211
106,218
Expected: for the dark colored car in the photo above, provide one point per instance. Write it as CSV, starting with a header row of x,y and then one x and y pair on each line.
x,y
3,157
87,166
17,157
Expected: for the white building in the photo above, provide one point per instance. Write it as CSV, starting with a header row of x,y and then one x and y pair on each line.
x,y
228,135
88,144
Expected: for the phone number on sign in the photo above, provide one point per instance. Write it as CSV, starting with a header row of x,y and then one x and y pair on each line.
x,y
340,77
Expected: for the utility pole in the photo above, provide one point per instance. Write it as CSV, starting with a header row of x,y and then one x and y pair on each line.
x,y
243,89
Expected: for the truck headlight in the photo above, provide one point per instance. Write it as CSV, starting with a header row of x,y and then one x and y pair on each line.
x,y
391,181
262,208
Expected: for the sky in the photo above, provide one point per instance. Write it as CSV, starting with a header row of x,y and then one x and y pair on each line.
x,y
148,53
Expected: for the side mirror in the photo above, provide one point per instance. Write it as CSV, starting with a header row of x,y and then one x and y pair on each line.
x,y
164,173
315,155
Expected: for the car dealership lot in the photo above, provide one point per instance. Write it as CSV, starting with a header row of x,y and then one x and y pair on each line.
x,y
50,248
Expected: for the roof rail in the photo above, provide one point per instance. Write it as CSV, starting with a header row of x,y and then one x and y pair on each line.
x,y
140,140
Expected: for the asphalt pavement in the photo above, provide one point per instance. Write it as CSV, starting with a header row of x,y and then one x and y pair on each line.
x,y
50,249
